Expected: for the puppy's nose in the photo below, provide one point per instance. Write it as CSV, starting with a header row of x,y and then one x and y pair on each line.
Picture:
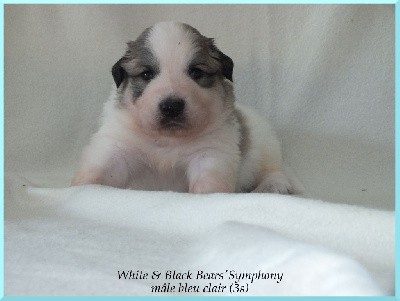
x,y
172,107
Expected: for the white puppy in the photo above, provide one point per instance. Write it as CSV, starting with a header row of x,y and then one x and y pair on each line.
x,y
172,124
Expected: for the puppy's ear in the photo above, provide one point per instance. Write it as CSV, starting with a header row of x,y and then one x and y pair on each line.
x,y
227,64
118,73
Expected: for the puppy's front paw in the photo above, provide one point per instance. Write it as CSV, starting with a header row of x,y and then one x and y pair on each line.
x,y
86,178
210,185
275,182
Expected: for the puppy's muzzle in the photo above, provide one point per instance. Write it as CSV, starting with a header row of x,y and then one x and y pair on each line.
x,y
172,114
172,108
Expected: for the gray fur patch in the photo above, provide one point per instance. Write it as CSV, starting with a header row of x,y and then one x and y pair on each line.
x,y
207,57
207,80
244,142
139,58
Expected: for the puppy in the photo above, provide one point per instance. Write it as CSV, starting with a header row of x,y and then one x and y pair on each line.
x,y
172,124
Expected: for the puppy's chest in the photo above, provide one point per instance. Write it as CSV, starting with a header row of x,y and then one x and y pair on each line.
x,y
158,168
163,159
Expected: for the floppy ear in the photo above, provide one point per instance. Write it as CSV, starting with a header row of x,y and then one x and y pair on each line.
x,y
118,73
227,65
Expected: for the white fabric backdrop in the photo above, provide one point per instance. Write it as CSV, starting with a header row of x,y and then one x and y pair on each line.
x,y
322,74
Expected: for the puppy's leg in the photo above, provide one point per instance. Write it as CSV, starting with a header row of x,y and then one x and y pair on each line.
x,y
211,174
274,179
104,164
275,182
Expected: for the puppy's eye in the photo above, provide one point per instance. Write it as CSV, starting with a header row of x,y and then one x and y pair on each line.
x,y
196,73
147,75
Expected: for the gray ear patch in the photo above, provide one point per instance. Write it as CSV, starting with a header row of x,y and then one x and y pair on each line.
x,y
118,73
137,59
137,49
225,61
208,44
227,65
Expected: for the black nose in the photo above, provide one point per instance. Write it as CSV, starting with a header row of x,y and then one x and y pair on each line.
x,y
172,107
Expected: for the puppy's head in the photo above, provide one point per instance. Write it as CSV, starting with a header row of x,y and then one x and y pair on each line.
x,y
173,81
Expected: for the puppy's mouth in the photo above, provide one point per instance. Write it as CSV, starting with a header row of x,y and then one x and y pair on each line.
x,y
173,124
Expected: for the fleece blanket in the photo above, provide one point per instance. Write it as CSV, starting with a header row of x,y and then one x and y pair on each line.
x,y
324,77
81,240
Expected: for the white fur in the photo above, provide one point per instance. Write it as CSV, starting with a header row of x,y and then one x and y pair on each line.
x,y
129,151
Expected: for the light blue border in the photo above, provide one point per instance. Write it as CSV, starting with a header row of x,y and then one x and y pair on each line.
x,y
184,298
397,150
201,2
2,154
397,127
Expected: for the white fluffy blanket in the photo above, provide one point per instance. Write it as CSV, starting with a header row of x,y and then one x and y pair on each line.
x,y
78,240
324,77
